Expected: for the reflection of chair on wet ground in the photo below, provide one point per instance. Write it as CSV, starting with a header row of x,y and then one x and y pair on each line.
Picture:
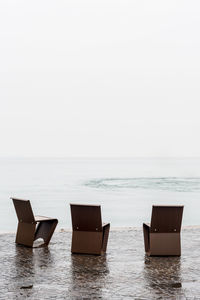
x,y
163,279
89,235
30,227
162,236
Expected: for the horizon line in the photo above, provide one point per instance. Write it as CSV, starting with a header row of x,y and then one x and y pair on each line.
x,y
96,157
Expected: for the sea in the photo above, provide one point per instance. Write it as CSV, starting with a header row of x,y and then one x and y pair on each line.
x,y
126,188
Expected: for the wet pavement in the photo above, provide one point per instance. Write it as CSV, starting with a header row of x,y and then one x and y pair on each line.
x,y
124,273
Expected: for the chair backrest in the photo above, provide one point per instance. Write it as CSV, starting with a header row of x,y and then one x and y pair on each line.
x,y
166,218
86,217
23,210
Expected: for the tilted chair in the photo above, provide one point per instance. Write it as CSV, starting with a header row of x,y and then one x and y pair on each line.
x,y
89,235
162,237
30,227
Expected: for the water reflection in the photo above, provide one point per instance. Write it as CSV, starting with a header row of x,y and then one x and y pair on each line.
x,y
27,259
88,273
43,258
29,267
163,275
24,262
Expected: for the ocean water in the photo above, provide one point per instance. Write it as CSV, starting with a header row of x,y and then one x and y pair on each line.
x,y
126,188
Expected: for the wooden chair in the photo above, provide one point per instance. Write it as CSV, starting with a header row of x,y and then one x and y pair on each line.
x,y
30,227
162,237
89,235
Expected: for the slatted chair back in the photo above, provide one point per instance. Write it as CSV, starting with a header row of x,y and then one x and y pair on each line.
x,y
23,210
166,219
86,217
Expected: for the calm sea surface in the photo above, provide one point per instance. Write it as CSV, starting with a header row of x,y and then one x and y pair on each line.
x,y
126,188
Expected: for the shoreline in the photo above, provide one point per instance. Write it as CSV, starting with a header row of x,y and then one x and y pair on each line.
x,y
112,229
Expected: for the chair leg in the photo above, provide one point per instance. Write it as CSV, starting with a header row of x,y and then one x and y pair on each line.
x,y
45,230
146,238
106,230
25,234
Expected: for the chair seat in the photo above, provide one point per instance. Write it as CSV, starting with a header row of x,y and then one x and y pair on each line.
x,y
42,219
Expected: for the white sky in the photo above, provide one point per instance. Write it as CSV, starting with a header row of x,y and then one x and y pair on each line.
x,y
99,78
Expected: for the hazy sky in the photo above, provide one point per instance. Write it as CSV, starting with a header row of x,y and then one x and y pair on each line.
x,y
99,78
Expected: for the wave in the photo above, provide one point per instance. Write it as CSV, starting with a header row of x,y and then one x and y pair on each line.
x,y
177,184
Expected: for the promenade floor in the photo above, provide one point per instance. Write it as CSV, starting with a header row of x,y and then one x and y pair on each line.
x,y
124,273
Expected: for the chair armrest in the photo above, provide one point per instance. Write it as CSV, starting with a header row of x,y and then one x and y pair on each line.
x,y
146,225
43,219
105,224
146,231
